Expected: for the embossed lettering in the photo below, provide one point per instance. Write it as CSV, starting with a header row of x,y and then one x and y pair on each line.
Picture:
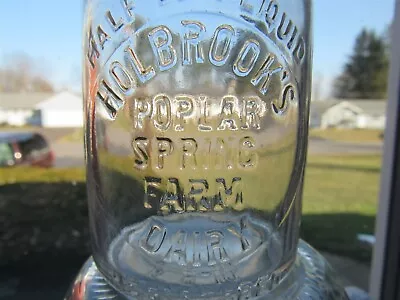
x,y
284,27
189,203
248,157
102,36
110,100
154,239
197,249
189,153
141,109
121,76
128,6
193,248
219,246
93,53
196,197
220,154
221,45
286,31
205,152
198,191
165,148
192,39
151,185
139,146
184,107
171,199
245,234
219,204
288,95
144,74
177,252
292,38
300,50
247,58
223,154
230,196
246,113
251,114
271,13
203,115
216,251
161,42
161,112
114,25
228,153
264,74
228,117
184,110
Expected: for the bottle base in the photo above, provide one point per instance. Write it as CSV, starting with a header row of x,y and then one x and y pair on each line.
x,y
311,278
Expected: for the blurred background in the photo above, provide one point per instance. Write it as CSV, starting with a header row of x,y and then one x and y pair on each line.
x,y
43,209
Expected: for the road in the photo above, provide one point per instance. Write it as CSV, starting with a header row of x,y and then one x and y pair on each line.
x,y
326,147
71,154
68,154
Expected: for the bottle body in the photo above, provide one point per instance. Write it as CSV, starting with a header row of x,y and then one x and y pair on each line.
x,y
197,119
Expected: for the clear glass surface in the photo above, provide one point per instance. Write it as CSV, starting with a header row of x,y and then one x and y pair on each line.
x,y
196,137
311,278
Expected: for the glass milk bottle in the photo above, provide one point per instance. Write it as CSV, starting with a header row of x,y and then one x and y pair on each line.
x,y
196,138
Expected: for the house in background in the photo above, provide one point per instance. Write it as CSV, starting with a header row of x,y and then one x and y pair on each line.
x,y
362,114
317,109
62,109
17,108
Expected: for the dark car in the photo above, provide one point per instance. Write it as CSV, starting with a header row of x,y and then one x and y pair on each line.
x,y
29,149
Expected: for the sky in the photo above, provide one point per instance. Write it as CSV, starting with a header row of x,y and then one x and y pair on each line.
x,y
50,32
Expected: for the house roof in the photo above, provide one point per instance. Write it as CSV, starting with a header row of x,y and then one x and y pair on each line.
x,y
370,107
63,100
322,106
22,100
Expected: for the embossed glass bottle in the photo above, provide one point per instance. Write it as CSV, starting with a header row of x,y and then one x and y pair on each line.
x,y
196,137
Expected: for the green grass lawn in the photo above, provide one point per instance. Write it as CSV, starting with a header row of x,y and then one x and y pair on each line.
x,y
75,137
340,198
334,134
348,135
340,201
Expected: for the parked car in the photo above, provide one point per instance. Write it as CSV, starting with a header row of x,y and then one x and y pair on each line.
x,y
30,149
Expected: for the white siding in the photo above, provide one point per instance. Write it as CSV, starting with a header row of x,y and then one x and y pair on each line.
x,y
62,110
339,116
371,122
18,117
3,116
62,118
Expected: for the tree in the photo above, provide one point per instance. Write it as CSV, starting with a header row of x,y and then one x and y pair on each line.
x,y
20,75
365,74
342,86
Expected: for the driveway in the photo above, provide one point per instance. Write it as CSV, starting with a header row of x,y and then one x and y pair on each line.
x,y
327,147
70,154
51,134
